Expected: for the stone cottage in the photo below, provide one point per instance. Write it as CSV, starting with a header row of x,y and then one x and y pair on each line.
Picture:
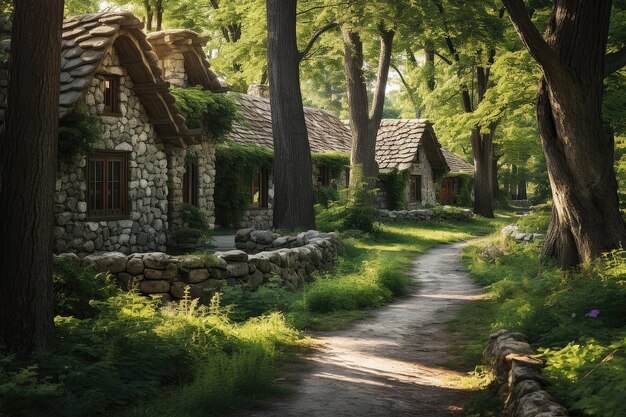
x,y
452,183
126,194
411,145
327,133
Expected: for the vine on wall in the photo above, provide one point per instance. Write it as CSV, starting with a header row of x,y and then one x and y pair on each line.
x,y
78,133
394,183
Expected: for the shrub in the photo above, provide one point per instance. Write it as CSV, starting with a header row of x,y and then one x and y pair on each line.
x,y
394,184
78,133
535,222
269,297
325,195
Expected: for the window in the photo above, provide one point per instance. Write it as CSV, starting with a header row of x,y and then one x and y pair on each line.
x,y
111,85
323,176
190,184
259,189
107,185
415,191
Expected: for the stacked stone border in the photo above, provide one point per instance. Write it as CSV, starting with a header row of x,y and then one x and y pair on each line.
x,y
512,231
442,213
168,277
518,378
255,241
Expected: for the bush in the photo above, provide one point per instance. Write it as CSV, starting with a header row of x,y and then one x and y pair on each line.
x,y
78,133
535,222
269,297
394,183
325,195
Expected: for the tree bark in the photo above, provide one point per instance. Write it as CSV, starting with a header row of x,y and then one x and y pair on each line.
x,y
293,201
149,15
482,149
586,220
28,160
159,15
364,123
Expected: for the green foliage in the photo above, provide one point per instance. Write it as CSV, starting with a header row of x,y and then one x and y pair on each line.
x,y
187,232
536,222
77,135
325,195
269,297
394,184
215,111
337,162
231,194
554,308
195,219
132,350
75,286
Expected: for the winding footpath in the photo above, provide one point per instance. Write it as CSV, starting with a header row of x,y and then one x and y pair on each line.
x,y
393,364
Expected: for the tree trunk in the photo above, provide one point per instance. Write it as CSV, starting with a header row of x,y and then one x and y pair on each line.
x,y
495,187
363,123
586,220
159,15
293,198
482,148
149,15
28,160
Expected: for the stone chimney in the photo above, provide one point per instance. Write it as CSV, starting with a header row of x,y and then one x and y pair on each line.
x,y
259,90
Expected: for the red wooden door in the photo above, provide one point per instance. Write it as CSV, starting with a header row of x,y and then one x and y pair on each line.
x,y
447,191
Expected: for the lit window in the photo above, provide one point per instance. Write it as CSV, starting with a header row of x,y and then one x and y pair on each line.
x,y
111,94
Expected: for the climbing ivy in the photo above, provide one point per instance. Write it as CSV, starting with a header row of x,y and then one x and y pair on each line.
x,y
216,111
394,183
337,162
78,133
232,163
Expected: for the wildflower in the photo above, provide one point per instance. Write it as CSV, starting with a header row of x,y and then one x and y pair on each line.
x,y
593,313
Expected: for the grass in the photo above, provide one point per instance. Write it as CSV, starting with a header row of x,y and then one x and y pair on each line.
x,y
585,356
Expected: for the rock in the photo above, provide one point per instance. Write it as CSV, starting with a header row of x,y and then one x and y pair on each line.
x,y
521,373
191,262
152,287
156,260
70,257
233,256
135,266
262,236
125,280
194,276
153,273
178,289
255,280
89,246
237,269
171,272
111,262
243,235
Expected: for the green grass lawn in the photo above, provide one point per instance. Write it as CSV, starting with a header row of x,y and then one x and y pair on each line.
x,y
585,352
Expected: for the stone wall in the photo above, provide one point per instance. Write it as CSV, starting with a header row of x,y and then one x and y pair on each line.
x,y
173,69
440,213
167,276
260,218
254,241
146,226
422,167
204,155
518,378
512,231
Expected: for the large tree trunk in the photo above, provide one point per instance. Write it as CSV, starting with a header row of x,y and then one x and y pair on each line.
x,y
586,220
363,123
159,15
482,148
149,15
28,159
293,197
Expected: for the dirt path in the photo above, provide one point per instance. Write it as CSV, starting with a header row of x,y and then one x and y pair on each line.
x,y
394,363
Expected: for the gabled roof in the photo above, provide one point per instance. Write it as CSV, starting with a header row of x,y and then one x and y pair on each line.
x,y
457,164
326,132
399,139
86,40
190,45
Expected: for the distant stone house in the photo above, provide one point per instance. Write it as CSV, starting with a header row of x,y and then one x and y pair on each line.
x,y
128,192
453,183
411,145
327,133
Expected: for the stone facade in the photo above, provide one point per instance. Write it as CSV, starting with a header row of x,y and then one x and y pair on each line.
x,y
145,227
166,276
518,379
173,67
422,167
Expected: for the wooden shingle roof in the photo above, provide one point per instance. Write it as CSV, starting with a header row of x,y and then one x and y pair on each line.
x,y
327,133
457,164
399,139
190,45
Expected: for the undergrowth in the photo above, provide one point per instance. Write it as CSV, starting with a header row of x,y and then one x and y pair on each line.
x,y
576,320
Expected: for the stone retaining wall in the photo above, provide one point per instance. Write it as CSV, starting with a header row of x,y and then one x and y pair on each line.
x,y
254,241
444,213
159,274
513,232
519,381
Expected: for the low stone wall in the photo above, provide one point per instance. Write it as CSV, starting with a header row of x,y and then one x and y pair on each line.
x,y
444,213
513,232
159,274
519,381
254,241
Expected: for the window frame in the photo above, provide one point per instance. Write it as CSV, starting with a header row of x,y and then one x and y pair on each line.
x,y
190,184
106,212
324,176
263,179
114,108
415,189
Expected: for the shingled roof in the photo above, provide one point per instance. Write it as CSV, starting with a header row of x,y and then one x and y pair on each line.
x,y
326,132
190,45
457,164
399,139
86,40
